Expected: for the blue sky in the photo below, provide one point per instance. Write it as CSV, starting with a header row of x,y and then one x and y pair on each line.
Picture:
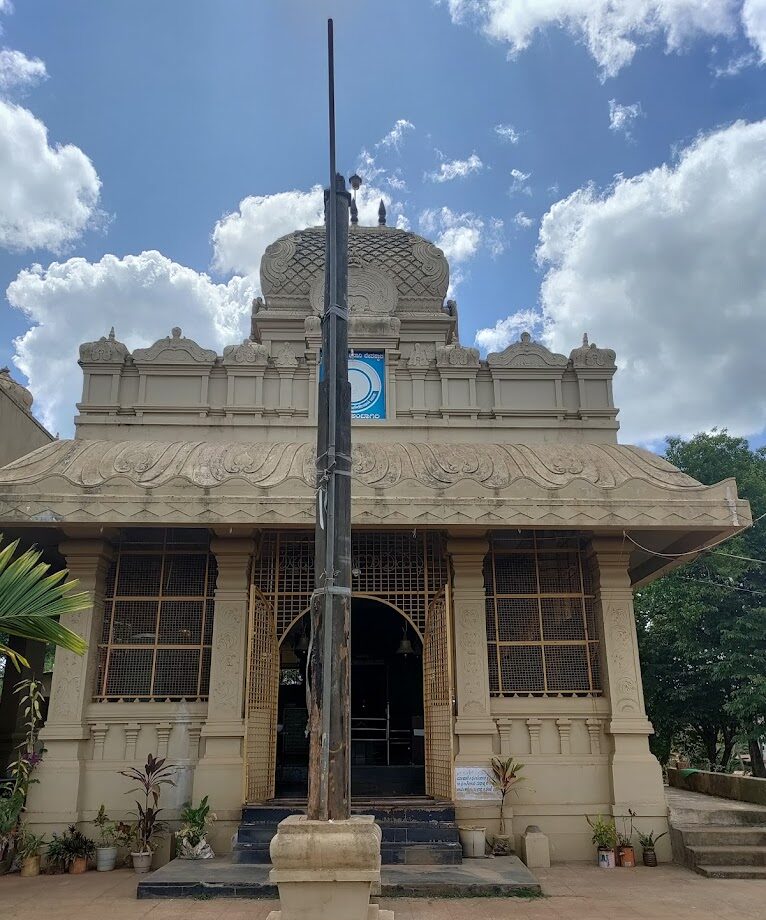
x,y
184,109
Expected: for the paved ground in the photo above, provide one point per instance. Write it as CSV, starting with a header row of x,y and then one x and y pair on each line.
x,y
574,892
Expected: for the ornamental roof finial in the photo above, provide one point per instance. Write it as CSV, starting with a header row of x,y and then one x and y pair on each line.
x,y
382,214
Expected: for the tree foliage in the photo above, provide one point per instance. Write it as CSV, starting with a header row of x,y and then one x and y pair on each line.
x,y
702,628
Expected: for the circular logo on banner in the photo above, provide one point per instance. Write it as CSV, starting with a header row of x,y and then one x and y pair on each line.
x,y
366,385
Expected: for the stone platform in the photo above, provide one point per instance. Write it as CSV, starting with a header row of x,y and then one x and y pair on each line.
x,y
503,876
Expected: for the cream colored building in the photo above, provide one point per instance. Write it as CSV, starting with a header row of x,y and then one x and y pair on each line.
x,y
494,515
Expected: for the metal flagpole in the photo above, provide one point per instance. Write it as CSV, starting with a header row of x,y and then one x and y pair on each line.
x,y
329,772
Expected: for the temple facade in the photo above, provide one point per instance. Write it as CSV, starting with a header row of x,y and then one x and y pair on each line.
x,y
499,531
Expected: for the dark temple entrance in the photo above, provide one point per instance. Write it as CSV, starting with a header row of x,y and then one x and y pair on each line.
x,y
387,731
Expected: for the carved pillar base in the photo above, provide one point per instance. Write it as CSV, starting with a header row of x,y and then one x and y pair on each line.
x,y
326,869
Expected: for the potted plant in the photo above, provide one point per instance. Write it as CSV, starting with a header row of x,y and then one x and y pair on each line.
x,y
648,842
149,827
106,849
28,846
626,855
71,851
191,839
605,838
504,777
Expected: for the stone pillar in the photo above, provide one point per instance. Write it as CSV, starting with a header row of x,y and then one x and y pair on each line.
x,y
474,727
57,798
636,778
219,772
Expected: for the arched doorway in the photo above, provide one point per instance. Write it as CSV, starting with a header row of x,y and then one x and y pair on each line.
x,y
387,727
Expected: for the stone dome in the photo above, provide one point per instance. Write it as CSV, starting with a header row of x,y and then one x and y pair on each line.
x,y
389,270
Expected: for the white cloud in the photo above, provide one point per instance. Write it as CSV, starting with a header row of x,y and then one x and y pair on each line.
x,y
519,184
507,133
395,136
507,330
18,72
621,117
142,296
736,65
668,269
612,30
461,236
522,220
754,24
456,169
48,195
240,238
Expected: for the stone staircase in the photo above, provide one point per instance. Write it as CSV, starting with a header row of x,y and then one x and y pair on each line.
x,y
717,838
418,831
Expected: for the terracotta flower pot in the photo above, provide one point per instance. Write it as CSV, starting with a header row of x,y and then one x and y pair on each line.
x,y
626,857
30,867
650,856
78,865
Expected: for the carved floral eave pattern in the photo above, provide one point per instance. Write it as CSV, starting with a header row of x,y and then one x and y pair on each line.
x,y
555,485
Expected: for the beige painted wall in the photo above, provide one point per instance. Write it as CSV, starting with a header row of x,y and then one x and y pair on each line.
x,y
20,432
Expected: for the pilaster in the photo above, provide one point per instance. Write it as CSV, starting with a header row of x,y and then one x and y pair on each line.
x,y
219,771
474,727
636,777
66,734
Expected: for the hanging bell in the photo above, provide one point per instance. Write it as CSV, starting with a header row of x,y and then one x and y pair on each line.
x,y
405,647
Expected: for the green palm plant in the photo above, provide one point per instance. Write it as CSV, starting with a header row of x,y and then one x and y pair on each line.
x,y
30,600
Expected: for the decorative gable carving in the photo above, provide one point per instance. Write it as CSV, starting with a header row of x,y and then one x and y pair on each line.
x,y
249,352
418,356
588,355
526,353
285,357
107,350
457,356
369,291
15,390
174,349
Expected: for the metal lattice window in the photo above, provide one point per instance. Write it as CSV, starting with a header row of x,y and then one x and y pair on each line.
x,y
158,617
541,629
404,569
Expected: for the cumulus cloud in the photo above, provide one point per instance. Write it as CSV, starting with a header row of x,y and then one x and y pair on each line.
x,y
507,133
667,268
505,331
612,30
48,195
460,236
621,117
754,23
18,72
395,136
143,296
456,169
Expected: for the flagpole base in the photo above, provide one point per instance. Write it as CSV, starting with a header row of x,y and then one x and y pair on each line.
x,y
325,870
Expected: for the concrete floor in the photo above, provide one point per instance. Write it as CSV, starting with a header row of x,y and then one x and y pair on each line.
x,y
575,891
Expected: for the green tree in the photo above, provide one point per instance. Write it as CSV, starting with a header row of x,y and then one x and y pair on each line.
x,y
31,600
702,628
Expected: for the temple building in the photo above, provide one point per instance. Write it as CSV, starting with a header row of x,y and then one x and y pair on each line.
x,y
499,531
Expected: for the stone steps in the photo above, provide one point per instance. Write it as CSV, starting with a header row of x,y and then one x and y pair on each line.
x,y
719,839
418,832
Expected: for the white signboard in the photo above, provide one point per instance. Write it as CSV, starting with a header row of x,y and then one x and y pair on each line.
x,y
473,783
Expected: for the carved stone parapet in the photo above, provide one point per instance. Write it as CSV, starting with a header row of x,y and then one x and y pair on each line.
x,y
457,356
248,353
594,734
588,355
174,349
533,727
98,732
106,350
526,354
132,731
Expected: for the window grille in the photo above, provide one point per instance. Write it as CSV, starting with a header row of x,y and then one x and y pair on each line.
x,y
158,617
404,569
542,635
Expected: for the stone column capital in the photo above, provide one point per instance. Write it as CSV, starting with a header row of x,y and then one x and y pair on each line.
x,y
86,558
